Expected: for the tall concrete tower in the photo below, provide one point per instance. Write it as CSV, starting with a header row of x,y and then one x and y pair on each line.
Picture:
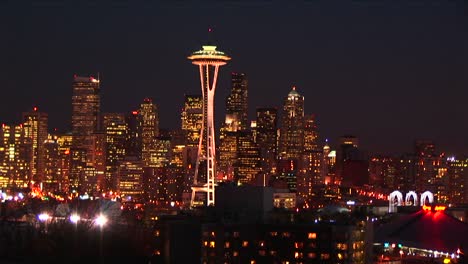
x,y
208,60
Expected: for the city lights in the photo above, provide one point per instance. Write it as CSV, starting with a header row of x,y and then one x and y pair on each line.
x,y
101,220
43,217
74,218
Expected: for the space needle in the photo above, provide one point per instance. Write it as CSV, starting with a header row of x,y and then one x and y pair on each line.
x,y
208,60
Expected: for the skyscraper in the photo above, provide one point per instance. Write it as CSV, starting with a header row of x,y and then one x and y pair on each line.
x,y
192,119
266,137
15,157
291,143
133,142
86,105
115,128
247,164
35,125
236,102
311,162
149,117
208,60
85,123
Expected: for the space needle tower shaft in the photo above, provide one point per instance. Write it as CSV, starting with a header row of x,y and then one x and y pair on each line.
x,y
208,61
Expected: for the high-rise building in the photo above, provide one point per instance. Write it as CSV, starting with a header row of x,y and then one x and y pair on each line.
x,y
236,102
310,165
51,178
35,126
149,120
427,166
208,61
266,137
15,157
130,178
291,143
192,119
86,105
115,128
457,180
64,142
85,123
133,142
247,165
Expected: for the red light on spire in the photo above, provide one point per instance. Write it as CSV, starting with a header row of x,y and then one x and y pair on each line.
x,y
210,29
35,109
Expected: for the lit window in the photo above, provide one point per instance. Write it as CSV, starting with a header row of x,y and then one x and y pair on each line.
x,y
273,234
324,256
298,244
227,244
235,253
262,252
340,256
312,255
212,244
286,234
235,234
205,243
261,243
312,235
245,243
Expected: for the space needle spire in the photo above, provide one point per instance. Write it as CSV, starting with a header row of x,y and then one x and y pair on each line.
x,y
208,60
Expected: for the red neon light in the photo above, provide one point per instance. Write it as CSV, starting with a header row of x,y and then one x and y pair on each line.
x,y
135,112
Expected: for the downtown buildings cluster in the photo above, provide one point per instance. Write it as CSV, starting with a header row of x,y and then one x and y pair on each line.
x,y
129,155
282,195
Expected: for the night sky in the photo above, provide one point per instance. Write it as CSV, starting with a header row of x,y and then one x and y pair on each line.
x,y
386,72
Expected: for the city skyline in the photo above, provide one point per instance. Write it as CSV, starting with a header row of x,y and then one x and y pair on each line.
x,y
399,80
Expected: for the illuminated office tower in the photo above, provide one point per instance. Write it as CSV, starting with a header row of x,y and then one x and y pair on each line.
x,y
430,172
329,164
35,126
85,123
161,154
236,102
247,165
291,143
86,105
115,128
227,153
149,121
64,142
310,166
266,137
130,178
52,180
133,141
208,60
15,157
457,180
192,119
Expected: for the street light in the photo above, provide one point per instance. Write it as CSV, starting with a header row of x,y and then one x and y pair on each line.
x,y
100,220
74,218
43,217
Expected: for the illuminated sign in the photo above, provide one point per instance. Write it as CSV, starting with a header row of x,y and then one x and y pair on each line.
x,y
435,208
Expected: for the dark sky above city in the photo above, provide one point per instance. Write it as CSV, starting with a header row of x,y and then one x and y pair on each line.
x,y
388,72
